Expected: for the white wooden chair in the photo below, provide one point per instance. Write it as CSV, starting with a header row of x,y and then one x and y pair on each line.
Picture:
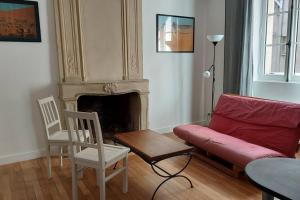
x,y
55,136
95,154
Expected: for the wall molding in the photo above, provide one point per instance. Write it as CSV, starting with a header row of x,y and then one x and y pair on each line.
x,y
18,157
70,31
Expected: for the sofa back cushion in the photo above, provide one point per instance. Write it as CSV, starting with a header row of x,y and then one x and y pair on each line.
x,y
271,124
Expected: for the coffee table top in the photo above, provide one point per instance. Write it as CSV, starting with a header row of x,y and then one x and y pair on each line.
x,y
279,177
152,146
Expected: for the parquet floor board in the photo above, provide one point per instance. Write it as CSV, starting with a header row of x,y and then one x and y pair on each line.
x,y
28,181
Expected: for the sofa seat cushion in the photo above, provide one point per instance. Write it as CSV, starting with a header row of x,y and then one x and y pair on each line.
x,y
234,150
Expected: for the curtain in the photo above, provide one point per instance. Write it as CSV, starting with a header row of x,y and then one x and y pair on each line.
x,y
238,58
247,52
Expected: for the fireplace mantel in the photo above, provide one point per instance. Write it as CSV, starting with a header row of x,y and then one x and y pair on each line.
x,y
100,40
70,92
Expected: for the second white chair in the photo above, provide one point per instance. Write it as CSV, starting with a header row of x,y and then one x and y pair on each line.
x,y
55,136
95,154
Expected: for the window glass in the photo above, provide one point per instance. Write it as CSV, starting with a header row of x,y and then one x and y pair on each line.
x,y
275,59
277,29
282,40
276,37
275,6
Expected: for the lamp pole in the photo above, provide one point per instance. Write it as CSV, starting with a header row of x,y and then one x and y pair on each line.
x,y
214,39
214,78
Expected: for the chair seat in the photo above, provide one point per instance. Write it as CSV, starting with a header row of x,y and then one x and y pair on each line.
x,y
111,155
62,136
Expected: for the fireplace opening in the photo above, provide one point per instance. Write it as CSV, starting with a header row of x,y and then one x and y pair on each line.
x,y
117,113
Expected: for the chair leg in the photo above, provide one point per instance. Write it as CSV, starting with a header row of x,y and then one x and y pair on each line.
x,y
69,151
98,177
80,171
125,174
101,179
77,149
49,161
74,182
61,156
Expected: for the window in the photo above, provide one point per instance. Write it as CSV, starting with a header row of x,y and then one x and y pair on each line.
x,y
282,41
168,29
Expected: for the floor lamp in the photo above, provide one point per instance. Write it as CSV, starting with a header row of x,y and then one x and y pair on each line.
x,y
214,39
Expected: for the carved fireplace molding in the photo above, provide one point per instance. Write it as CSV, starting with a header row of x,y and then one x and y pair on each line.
x,y
100,50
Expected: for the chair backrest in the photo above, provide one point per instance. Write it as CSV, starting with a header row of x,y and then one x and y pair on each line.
x,y
50,114
85,131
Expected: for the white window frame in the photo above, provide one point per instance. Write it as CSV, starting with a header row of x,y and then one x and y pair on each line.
x,y
288,75
296,11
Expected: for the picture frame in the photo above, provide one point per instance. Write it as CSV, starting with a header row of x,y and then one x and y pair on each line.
x,y
175,34
19,21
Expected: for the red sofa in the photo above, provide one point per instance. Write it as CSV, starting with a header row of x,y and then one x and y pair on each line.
x,y
243,129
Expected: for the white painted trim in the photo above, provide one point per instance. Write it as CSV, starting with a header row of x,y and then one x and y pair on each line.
x,y
18,157
170,128
12,158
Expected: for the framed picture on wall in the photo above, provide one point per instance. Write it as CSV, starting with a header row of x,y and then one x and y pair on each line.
x,y
19,21
175,33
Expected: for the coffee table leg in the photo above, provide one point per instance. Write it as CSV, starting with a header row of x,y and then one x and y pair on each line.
x,y
168,175
267,196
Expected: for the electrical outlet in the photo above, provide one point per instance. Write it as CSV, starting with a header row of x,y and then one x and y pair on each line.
x,y
208,114
208,118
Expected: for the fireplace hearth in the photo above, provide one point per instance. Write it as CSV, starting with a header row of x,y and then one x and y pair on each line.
x,y
117,113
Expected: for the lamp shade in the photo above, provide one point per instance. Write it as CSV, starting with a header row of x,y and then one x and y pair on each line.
x,y
215,38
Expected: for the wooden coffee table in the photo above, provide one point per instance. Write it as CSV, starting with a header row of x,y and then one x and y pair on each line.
x,y
153,148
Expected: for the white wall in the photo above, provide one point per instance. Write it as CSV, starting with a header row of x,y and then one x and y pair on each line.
x,y
178,93
28,71
277,90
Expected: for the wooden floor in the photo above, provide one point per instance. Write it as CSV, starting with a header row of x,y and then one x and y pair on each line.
x,y
28,180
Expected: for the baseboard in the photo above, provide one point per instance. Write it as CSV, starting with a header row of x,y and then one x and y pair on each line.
x,y
170,128
12,158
